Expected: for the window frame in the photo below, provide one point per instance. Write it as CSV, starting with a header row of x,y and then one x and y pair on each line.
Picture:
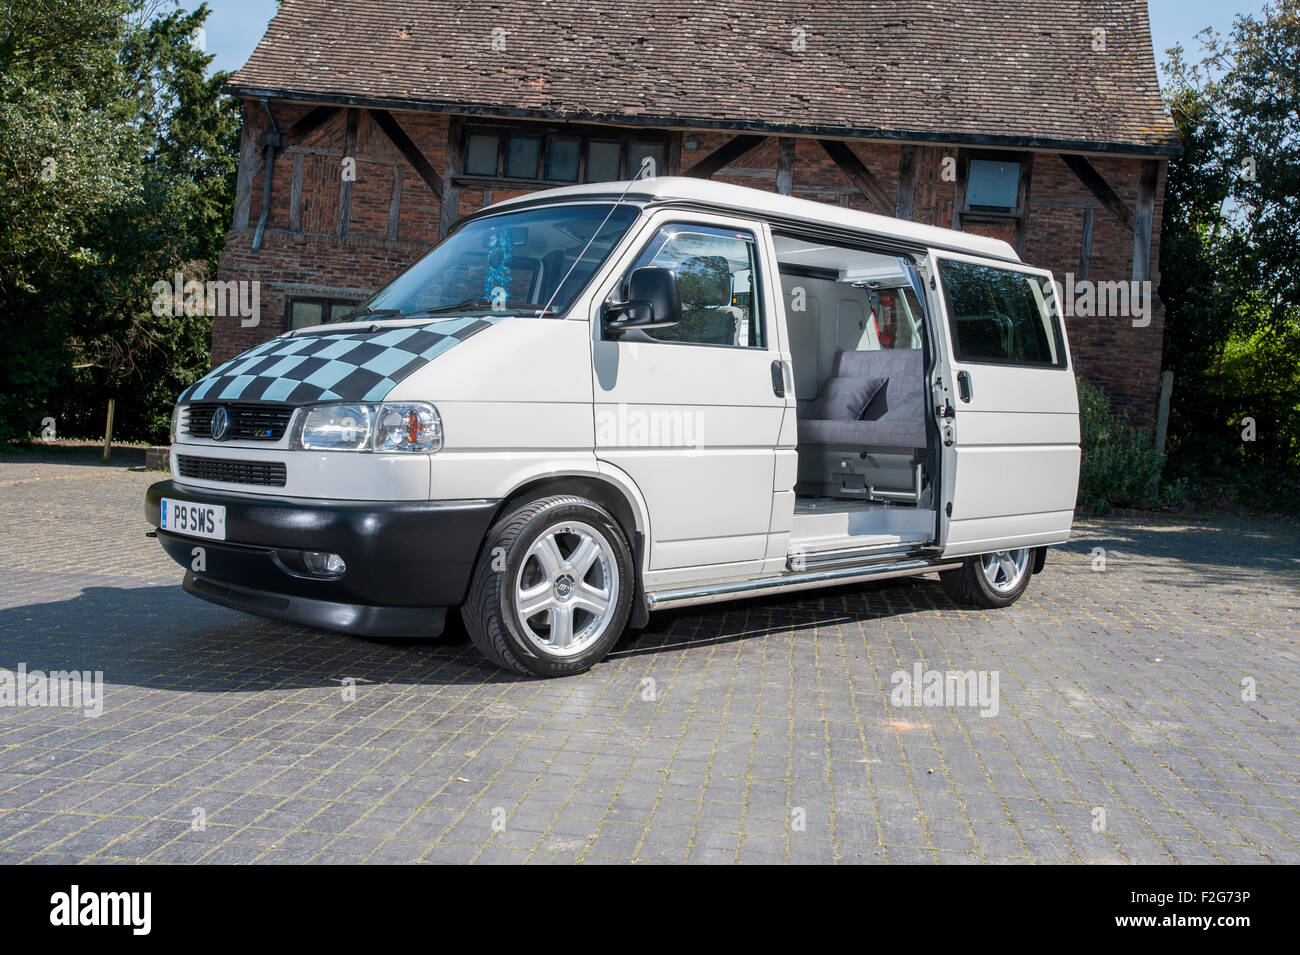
x,y
1017,199
757,282
327,304
963,214
1063,359
625,139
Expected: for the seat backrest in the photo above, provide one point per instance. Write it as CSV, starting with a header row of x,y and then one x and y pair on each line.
x,y
891,363
904,397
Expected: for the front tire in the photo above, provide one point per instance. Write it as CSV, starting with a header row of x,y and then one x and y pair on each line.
x,y
552,589
990,580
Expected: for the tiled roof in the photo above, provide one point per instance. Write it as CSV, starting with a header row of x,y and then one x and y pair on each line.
x,y
1016,71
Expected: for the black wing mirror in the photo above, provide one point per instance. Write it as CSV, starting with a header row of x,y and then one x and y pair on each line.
x,y
653,302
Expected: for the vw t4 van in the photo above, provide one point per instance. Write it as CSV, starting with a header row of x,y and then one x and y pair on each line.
x,y
592,403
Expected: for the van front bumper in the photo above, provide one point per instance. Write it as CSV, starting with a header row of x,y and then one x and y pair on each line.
x,y
407,561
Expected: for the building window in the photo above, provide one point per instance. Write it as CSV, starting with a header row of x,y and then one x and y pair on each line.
x,y
637,153
993,186
305,312
481,154
531,156
522,156
604,161
563,160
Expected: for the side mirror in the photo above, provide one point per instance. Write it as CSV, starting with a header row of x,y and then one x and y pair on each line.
x,y
653,302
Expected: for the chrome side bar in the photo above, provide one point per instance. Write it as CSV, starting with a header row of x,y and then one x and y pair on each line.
x,y
791,582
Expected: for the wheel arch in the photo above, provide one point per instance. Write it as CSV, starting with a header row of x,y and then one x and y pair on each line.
x,y
620,498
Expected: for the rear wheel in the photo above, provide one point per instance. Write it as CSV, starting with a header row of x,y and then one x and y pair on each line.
x,y
552,589
990,580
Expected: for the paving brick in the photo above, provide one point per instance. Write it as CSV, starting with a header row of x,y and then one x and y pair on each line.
x,y
241,717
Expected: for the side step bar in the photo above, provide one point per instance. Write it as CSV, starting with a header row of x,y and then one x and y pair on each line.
x,y
860,557
789,583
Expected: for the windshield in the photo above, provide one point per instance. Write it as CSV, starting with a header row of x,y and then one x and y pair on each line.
x,y
511,263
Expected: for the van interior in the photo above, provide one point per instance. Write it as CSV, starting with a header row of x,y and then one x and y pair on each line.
x,y
866,465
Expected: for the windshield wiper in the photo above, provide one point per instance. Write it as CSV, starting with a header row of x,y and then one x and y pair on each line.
x,y
374,313
459,306
481,304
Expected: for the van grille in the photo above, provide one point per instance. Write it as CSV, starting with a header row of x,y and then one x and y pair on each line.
x,y
248,422
265,473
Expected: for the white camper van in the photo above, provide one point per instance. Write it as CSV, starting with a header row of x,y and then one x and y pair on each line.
x,y
595,402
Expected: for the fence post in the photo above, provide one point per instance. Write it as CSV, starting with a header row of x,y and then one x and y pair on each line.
x,y
108,433
1162,427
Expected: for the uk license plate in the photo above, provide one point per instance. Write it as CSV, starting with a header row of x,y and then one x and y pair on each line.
x,y
194,520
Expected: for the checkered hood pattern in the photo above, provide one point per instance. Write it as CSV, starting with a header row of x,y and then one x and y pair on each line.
x,y
344,366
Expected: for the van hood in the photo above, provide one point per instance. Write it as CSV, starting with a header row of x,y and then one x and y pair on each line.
x,y
333,364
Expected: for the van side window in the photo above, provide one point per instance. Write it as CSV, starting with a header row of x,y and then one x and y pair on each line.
x,y
717,275
1000,316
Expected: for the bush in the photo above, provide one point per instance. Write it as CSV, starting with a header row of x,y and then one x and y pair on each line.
x,y
1119,465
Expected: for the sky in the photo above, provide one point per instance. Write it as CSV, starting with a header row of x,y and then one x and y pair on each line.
x,y
235,26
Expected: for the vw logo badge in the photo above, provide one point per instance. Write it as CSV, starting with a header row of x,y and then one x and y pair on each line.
x,y
220,424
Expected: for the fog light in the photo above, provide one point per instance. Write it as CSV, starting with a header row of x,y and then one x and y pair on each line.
x,y
324,564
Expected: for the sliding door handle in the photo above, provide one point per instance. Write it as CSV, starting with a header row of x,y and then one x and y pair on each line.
x,y
964,387
778,378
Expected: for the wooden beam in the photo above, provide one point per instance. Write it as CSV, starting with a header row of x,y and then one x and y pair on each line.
x,y
959,188
345,187
250,164
410,152
858,174
395,204
449,194
906,182
723,156
785,166
1099,187
311,121
1022,203
673,158
1085,245
295,194
1146,205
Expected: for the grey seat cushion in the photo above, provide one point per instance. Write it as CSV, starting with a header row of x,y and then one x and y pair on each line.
x,y
893,417
846,399
880,434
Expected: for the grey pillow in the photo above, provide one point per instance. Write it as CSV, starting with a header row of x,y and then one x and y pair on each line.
x,y
877,405
844,399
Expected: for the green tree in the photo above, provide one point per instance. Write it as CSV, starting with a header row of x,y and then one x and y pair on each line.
x,y
117,166
66,156
1231,252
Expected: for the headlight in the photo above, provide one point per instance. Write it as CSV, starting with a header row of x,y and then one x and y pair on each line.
x,y
413,426
176,423
360,426
336,428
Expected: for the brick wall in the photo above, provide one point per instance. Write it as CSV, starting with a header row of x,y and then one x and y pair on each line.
x,y
315,261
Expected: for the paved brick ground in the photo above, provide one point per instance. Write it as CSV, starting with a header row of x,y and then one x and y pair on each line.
x,y
767,733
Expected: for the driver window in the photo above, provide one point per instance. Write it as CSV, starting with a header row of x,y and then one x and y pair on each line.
x,y
717,271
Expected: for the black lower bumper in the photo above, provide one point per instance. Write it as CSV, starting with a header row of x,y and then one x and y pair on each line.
x,y
407,561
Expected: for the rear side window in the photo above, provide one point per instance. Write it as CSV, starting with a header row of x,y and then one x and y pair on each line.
x,y
1001,316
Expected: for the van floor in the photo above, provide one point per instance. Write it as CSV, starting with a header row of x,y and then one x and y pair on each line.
x,y
830,524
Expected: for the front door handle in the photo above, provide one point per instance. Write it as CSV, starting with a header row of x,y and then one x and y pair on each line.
x,y
963,386
778,378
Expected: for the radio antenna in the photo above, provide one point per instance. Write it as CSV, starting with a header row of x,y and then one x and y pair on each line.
x,y
646,164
